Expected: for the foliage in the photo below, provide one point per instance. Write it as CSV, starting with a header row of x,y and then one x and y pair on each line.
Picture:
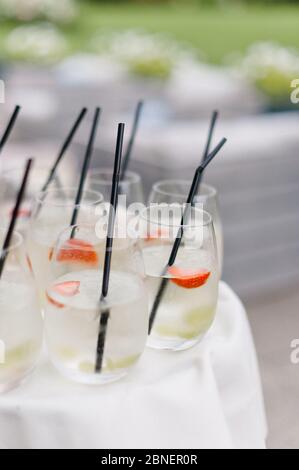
x,y
216,32
57,11
40,43
271,68
145,54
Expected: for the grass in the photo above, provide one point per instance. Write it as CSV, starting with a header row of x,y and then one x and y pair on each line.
x,y
213,32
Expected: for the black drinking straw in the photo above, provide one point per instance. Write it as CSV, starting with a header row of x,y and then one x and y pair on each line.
x,y
109,243
128,153
86,162
64,148
208,143
177,242
14,216
9,127
214,118
60,155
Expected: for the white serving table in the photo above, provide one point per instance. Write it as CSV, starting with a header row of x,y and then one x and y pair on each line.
x,y
206,397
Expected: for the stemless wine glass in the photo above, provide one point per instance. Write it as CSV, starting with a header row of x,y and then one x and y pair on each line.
x,y
131,186
52,213
183,296
74,307
20,317
130,199
176,191
10,181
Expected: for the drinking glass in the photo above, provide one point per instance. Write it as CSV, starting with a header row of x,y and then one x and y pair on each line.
x,y
74,307
20,317
10,181
130,199
52,212
176,191
184,295
130,187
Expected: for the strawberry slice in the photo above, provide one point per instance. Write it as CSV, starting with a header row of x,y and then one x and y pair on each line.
x,y
67,289
29,264
77,251
50,255
156,235
187,278
54,302
22,213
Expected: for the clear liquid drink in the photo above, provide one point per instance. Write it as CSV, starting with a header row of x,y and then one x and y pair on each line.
x,y
52,214
187,306
10,181
130,199
21,328
74,309
100,180
176,191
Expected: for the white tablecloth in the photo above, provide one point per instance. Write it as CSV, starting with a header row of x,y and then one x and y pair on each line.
x,y
206,397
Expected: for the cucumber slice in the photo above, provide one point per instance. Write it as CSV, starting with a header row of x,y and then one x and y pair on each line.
x,y
200,318
67,354
19,354
196,322
87,367
174,331
122,363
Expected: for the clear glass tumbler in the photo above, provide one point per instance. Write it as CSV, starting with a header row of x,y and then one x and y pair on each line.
x,y
130,188
75,310
21,327
52,213
130,199
10,181
176,191
182,295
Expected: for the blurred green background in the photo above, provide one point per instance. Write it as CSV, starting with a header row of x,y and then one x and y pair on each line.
x,y
214,28
260,39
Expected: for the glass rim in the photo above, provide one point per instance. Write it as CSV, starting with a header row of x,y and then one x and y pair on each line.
x,y
212,191
13,245
44,201
131,177
193,226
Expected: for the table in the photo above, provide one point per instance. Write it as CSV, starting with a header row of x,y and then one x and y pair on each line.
x,y
207,397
